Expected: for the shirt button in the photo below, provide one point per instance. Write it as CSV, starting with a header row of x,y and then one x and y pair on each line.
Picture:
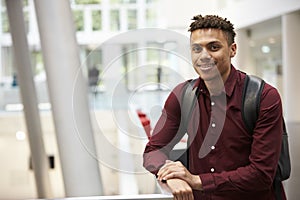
x,y
212,103
212,147
212,169
213,125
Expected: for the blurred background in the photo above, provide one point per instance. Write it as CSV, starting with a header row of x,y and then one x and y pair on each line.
x,y
82,82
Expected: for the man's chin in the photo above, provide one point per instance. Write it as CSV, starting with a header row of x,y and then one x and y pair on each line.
x,y
210,77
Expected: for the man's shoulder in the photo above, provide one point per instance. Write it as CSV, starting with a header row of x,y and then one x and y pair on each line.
x,y
182,85
270,91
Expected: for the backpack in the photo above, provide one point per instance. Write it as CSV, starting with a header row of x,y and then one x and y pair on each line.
x,y
250,107
253,87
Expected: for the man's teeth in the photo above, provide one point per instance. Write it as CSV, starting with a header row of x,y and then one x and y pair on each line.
x,y
206,65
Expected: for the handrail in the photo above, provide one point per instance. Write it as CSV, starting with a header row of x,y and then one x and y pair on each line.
x,y
164,194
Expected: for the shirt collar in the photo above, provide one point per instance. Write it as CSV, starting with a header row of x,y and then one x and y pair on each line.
x,y
229,83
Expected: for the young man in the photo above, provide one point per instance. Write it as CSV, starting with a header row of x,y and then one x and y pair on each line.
x,y
226,162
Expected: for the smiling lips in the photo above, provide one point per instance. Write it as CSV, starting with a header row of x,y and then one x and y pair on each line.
x,y
206,67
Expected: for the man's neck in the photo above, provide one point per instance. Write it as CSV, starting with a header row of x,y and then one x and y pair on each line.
x,y
215,87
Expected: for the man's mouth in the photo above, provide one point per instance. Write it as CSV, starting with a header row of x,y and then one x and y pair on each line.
x,y
206,67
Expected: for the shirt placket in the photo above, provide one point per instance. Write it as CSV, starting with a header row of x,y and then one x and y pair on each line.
x,y
214,131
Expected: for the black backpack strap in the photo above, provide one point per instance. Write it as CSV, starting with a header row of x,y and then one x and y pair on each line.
x,y
253,87
284,164
189,97
188,100
277,189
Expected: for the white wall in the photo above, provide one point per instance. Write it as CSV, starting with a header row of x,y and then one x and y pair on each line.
x,y
242,13
249,12
177,14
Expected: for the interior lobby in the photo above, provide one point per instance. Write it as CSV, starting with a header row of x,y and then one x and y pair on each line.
x,y
78,77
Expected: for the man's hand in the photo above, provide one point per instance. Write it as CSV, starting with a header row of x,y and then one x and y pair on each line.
x,y
176,170
180,189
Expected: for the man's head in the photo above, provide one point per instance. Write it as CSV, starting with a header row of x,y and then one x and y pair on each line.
x,y
212,47
215,22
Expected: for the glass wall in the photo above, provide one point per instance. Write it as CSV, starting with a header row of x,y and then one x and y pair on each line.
x,y
266,50
114,15
92,18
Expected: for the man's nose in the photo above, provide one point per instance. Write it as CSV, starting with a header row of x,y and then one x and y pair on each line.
x,y
204,55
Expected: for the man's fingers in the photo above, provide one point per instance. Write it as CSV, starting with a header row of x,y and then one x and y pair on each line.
x,y
167,172
180,189
170,170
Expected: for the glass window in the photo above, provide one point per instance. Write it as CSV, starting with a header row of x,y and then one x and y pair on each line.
x,y
25,2
5,24
7,61
94,58
265,54
151,17
78,18
26,20
37,60
153,53
122,1
129,1
151,1
132,19
268,59
116,1
129,64
88,1
114,20
153,59
97,22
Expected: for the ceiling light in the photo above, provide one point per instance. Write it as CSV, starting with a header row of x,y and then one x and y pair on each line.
x,y
20,135
265,49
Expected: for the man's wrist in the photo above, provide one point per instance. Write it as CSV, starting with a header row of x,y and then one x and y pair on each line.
x,y
197,183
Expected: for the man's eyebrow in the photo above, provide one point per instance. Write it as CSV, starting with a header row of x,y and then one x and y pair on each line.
x,y
216,41
209,43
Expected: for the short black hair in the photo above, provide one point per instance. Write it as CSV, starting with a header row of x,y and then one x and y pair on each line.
x,y
216,22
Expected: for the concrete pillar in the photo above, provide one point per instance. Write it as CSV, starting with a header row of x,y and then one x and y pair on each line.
x,y
69,98
29,98
1,67
291,82
291,60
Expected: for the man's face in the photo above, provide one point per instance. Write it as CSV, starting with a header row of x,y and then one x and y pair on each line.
x,y
211,54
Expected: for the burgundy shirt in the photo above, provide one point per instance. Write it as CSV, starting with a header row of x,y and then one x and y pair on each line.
x,y
232,163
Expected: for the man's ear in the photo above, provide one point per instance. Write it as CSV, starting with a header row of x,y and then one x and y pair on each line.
x,y
232,50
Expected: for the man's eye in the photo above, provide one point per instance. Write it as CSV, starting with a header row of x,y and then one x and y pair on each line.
x,y
214,47
196,49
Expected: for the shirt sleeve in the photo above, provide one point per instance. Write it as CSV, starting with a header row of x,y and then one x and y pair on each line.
x,y
265,151
165,133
